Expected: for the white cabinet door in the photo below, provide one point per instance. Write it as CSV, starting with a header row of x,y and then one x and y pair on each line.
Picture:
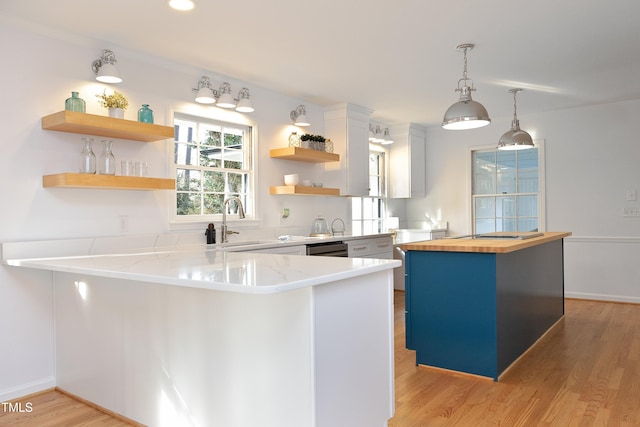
x,y
407,162
347,125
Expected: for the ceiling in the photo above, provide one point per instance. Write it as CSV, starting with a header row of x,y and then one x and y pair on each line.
x,y
398,57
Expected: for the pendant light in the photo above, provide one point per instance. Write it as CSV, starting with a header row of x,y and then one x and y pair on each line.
x,y
515,139
466,113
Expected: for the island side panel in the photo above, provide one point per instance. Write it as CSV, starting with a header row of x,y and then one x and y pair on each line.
x,y
354,351
169,355
530,297
452,308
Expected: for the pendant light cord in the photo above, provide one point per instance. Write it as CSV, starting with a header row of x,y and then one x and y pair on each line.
x,y
464,72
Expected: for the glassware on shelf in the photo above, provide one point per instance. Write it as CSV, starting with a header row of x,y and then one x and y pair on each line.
x,y
107,163
294,139
75,103
126,168
328,146
145,114
87,157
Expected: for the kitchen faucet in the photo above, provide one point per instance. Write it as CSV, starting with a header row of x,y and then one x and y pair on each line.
x,y
225,232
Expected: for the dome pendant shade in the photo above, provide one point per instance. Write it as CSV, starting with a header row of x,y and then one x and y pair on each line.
x,y
466,113
515,138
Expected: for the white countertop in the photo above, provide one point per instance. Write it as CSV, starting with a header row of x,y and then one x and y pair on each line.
x,y
215,269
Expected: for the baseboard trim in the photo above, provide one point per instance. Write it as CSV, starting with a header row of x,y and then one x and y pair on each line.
x,y
602,297
100,408
28,389
602,239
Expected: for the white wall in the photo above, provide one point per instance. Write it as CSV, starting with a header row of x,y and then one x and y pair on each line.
x,y
592,156
40,70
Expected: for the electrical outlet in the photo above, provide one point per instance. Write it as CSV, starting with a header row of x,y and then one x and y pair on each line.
x,y
631,212
631,195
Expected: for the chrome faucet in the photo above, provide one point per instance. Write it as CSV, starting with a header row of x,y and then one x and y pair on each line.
x,y
225,232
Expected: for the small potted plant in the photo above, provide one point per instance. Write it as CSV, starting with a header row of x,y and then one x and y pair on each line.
x,y
315,142
116,103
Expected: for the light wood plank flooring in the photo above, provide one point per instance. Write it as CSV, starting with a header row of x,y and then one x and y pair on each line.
x,y
585,372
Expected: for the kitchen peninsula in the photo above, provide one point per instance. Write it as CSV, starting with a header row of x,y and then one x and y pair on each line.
x,y
476,304
205,336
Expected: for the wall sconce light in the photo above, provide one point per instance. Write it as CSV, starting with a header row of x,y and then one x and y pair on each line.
x,y
516,138
379,136
466,113
244,103
299,116
226,99
376,134
104,68
386,137
205,94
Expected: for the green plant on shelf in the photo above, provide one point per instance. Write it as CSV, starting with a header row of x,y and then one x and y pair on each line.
x,y
309,137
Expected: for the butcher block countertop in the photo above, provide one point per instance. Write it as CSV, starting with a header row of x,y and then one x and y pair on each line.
x,y
486,243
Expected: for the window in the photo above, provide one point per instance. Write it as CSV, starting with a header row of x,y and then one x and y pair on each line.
x,y
506,190
212,162
367,213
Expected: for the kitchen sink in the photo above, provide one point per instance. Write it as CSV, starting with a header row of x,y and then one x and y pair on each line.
x,y
231,245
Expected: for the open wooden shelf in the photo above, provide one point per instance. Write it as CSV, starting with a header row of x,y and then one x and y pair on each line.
x,y
302,190
303,155
90,124
111,182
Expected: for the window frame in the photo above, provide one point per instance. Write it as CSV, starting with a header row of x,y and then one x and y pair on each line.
x,y
358,225
224,118
539,144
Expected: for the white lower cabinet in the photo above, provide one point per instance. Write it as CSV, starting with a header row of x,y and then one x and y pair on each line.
x,y
373,247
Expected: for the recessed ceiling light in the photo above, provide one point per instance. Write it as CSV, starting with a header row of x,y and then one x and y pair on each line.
x,y
181,4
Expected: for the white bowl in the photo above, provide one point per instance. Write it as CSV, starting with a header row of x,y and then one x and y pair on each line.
x,y
291,179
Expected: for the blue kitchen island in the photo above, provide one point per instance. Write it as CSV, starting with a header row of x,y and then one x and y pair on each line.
x,y
475,305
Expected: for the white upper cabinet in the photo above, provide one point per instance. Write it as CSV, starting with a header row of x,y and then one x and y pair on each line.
x,y
347,125
407,163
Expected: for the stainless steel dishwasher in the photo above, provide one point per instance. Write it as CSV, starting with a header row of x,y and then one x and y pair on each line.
x,y
337,249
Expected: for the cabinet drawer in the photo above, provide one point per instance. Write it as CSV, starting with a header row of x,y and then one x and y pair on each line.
x,y
375,247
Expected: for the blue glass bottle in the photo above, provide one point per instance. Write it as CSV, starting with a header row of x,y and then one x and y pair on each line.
x,y
75,103
145,114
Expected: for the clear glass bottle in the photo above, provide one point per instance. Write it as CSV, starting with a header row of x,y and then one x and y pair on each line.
x,y
107,163
87,157
75,103
145,114
294,139
328,146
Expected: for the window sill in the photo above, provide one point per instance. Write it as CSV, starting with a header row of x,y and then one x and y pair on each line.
x,y
200,224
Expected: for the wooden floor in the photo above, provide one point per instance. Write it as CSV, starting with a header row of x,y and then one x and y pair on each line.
x,y
585,372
